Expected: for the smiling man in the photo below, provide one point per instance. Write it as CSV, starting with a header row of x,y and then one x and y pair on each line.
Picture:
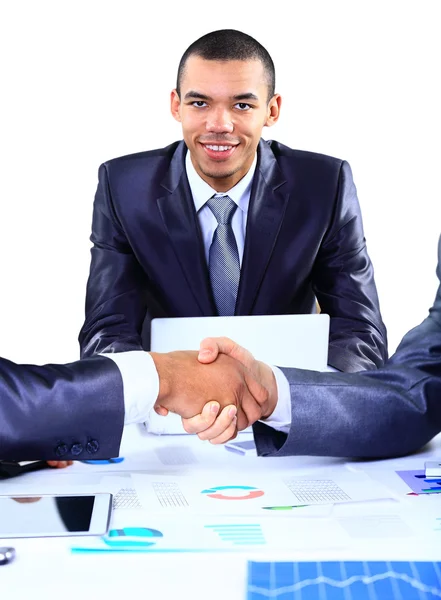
x,y
223,107
225,223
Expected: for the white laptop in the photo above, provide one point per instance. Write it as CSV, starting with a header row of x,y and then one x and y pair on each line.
x,y
283,340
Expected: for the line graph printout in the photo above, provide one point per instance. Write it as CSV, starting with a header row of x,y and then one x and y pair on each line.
x,y
349,580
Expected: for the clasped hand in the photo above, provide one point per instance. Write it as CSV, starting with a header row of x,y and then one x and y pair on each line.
x,y
217,391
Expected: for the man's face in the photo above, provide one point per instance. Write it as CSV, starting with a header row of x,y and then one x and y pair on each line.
x,y
223,108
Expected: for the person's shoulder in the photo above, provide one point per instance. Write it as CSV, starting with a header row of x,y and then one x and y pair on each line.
x,y
285,153
143,159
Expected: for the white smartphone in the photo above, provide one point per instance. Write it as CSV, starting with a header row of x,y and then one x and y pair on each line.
x,y
54,515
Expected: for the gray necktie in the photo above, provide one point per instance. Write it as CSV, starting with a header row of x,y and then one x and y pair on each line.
x,y
224,265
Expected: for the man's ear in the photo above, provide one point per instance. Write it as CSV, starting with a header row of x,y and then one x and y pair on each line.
x,y
175,105
273,113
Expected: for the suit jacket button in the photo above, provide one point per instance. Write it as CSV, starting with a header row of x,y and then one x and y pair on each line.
x,y
76,449
92,446
61,450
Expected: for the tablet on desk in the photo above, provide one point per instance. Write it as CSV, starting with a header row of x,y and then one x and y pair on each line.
x,y
283,340
54,515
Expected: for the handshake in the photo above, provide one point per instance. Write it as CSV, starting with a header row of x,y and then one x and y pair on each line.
x,y
218,391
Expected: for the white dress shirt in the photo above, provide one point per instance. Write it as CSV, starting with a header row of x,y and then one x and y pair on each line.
x,y
140,383
240,194
138,371
202,192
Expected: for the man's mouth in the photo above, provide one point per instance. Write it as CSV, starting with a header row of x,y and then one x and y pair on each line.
x,y
219,152
217,148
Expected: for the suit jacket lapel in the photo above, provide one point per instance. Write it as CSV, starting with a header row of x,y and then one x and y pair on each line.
x,y
265,215
180,219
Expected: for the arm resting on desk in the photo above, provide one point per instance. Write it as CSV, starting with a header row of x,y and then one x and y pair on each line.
x,y
388,412
60,412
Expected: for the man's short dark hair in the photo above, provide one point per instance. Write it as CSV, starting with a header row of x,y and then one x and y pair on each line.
x,y
229,44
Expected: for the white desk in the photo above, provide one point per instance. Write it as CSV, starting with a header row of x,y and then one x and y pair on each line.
x,y
47,568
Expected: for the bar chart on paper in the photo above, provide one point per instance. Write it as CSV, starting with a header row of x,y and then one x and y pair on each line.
x,y
349,580
239,534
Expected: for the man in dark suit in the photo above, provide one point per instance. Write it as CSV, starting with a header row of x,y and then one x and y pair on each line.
x,y
161,248
77,411
391,411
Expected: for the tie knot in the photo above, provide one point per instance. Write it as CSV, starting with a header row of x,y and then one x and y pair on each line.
x,y
222,208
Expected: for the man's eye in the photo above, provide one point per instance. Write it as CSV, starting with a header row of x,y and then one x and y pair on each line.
x,y
199,103
243,106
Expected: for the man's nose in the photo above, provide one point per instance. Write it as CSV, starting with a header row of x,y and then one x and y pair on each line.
x,y
220,121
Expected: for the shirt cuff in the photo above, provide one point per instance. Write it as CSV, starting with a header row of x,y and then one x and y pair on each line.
x,y
140,383
281,417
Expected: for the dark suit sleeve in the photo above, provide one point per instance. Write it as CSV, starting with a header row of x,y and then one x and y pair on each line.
x,y
343,282
61,412
391,411
116,290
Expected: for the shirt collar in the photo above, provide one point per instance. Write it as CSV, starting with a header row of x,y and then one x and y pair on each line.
x,y
202,192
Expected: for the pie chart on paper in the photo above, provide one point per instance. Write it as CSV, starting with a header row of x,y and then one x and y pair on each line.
x,y
233,492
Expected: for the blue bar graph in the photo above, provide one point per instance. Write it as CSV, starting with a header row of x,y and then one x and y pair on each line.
x,y
348,580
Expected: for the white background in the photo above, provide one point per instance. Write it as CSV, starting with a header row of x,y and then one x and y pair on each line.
x,y
85,81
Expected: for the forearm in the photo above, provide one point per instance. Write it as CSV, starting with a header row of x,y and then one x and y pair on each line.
x,y
343,281
117,287
71,411
388,412
112,337
346,291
